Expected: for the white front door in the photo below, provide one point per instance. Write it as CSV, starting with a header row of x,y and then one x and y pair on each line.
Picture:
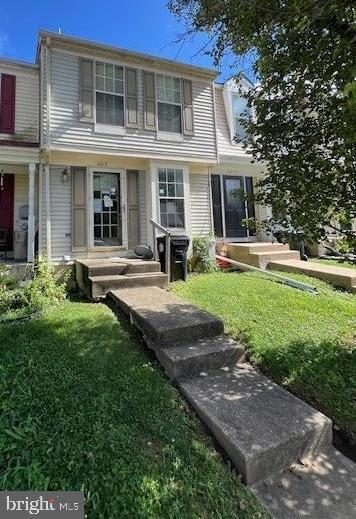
x,y
108,209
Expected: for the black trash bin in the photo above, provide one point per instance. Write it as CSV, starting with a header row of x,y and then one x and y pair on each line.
x,y
178,257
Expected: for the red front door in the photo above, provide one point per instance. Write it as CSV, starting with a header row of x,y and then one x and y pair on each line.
x,y
7,210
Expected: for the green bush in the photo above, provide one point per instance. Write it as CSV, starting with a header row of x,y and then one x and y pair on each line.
x,y
346,245
200,261
18,300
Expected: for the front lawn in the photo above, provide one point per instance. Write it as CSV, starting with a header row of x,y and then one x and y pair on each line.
x,y
83,407
303,341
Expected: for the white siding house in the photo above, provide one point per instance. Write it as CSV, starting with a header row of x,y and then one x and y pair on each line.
x,y
126,138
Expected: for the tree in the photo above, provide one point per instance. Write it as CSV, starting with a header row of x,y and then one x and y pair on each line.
x,y
304,121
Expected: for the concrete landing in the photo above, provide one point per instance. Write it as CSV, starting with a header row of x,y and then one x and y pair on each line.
x,y
324,489
165,319
262,427
337,276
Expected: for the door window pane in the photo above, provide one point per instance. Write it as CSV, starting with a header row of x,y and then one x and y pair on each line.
x,y
107,210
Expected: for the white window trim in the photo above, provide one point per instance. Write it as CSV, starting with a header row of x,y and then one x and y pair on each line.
x,y
155,166
229,90
112,129
168,135
90,201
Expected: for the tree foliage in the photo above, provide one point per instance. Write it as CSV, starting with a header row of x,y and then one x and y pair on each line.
x,y
304,123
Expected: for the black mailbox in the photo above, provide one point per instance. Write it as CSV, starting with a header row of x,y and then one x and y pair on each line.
x,y
178,256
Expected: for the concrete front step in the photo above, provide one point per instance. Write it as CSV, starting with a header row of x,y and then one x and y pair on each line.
x,y
110,266
251,248
262,427
263,259
163,318
202,355
337,276
101,285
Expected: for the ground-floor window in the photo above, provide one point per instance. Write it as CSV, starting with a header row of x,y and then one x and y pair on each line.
x,y
230,207
171,197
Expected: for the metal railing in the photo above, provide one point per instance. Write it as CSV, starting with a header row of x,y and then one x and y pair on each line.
x,y
276,277
157,227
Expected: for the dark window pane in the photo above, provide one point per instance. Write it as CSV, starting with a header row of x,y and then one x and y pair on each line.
x,y
97,232
97,218
179,176
179,190
180,206
180,220
113,217
164,219
162,189
169,118
114,231
97,194
170,175
106,218
162,175
171,190
171,220
106,231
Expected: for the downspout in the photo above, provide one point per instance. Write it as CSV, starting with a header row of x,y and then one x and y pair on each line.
x,y
47,149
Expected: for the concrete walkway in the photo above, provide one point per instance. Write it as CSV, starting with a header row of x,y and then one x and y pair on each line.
x,y
266,431
337,276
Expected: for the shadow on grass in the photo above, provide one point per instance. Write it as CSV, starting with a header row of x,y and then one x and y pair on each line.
x,y
83,408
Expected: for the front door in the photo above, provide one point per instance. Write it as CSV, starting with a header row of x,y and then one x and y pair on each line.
x,y
6,212
235,206
107,207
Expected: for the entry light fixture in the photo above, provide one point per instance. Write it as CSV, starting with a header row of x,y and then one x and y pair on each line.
x,y
66,175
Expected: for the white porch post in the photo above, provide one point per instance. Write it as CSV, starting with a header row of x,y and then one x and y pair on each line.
x,y
31,212
48,212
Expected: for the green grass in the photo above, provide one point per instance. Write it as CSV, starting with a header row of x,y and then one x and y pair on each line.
x,y
336,263
83,407
303,341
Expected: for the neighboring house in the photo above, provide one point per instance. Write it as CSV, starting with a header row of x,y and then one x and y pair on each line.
x,y
19,158
233,172
124,138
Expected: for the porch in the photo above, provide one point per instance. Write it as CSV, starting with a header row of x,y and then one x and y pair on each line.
x,y
18,205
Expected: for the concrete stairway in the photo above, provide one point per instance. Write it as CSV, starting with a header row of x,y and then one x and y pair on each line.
x,y
262,427
260,254
96,277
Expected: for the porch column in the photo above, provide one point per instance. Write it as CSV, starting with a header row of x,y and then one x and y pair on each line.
x,y
31,212
48,212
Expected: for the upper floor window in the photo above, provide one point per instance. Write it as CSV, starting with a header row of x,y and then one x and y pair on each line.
x,y
109,94
169,104
240,110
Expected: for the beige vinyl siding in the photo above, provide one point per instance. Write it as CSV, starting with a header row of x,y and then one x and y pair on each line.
x,y
26,103
224,144
200,210
61,214
68,132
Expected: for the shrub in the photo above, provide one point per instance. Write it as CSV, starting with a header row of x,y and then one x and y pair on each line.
x,y
200,261
17,300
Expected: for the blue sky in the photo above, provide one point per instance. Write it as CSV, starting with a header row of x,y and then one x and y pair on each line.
x,y
142,25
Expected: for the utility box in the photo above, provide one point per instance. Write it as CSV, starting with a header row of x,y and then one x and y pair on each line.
x,y
178,256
